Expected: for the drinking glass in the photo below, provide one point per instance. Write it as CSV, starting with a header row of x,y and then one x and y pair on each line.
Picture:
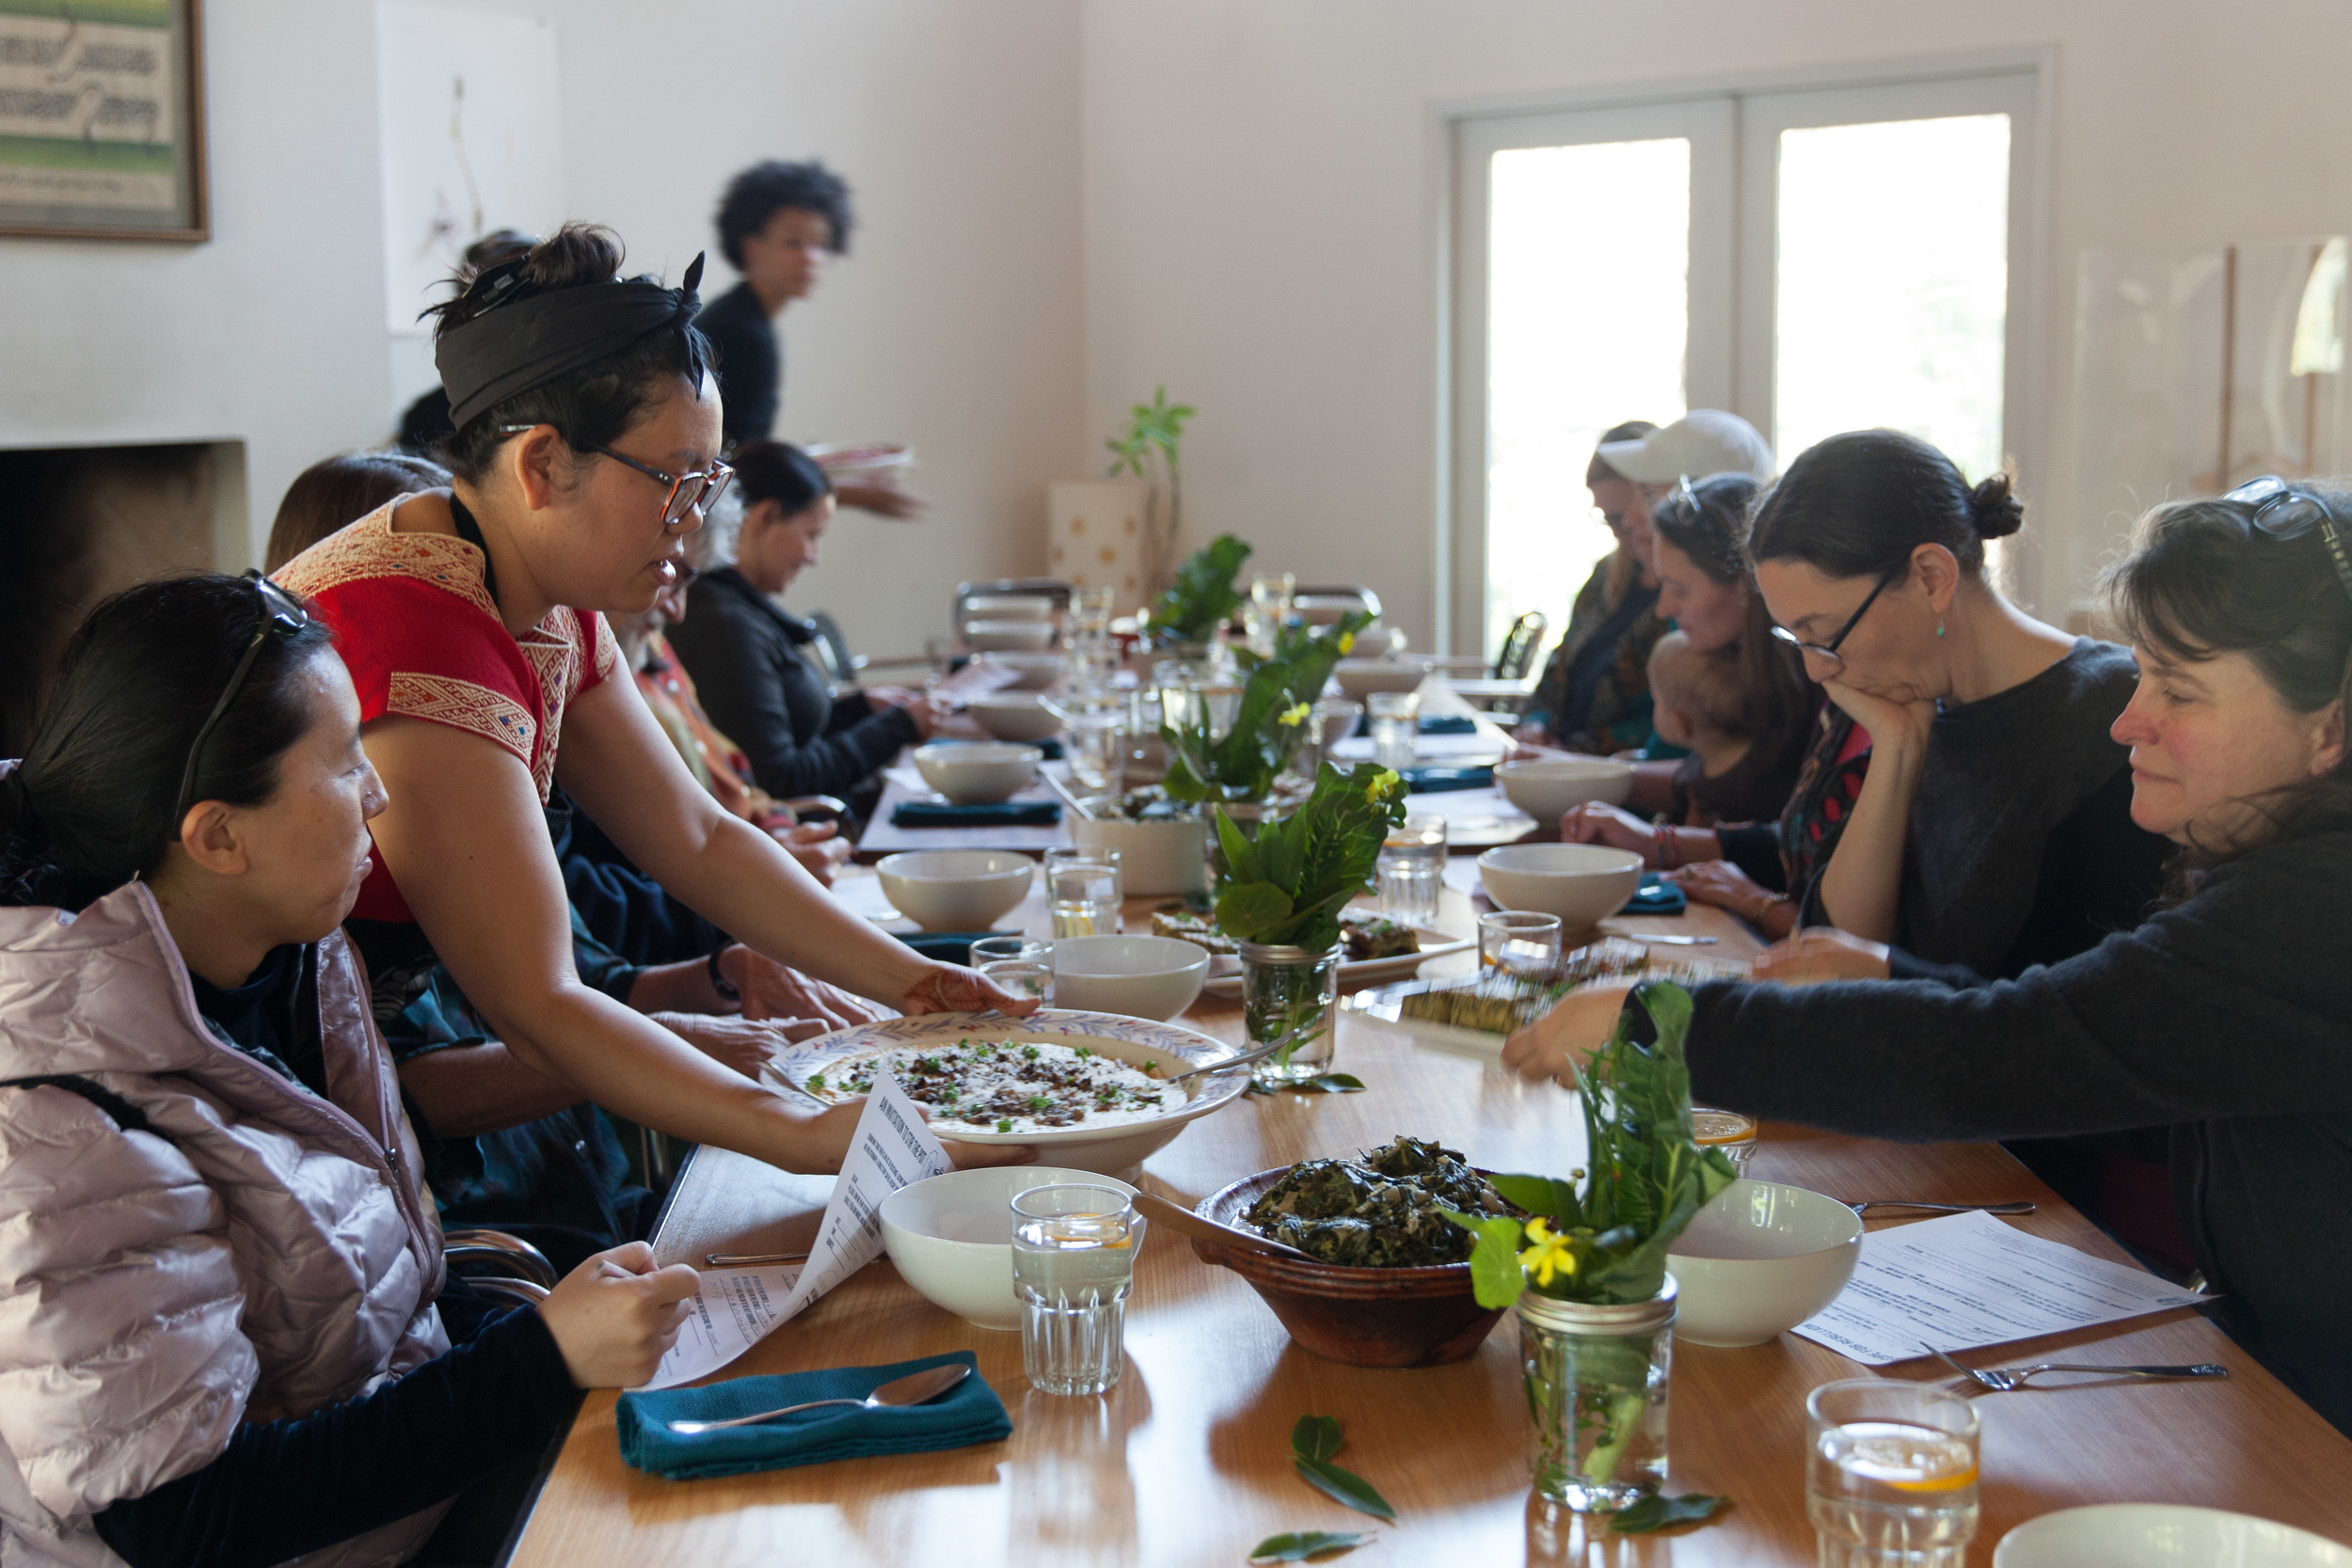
x,y
1519,942
1394,718
1021,976
1412,869
1890,1474
1098,748
1091,612
1728,1130
1084,892
1093,664
1268,610
1074,1261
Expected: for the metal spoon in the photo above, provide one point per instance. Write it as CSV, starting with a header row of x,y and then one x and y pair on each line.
x,y
1296,1036
1868,1204
1663,939
748,1259
915,1388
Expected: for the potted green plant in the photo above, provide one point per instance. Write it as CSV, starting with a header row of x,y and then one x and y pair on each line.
x,y
1280,899
1586,1266
1153,441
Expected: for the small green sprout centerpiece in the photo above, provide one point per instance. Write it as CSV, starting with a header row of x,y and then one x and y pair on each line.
x,y
1202,596
1270,722
1284,889
1595,1378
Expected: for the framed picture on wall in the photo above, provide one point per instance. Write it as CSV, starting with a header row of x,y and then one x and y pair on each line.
x,y
101,119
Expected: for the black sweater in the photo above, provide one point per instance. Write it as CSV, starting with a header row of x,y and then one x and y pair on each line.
x,y
2227,1018
761,690
750,365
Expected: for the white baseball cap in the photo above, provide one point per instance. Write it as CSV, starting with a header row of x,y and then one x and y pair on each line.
x,y
1703,441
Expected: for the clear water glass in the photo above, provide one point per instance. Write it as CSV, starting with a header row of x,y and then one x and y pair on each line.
x,y
1412,869
1098,749
1890,1474
1728,1130
1520,940
1085,891
995,949
1021,976
1074,1261
1091,612
1396,722
1093,663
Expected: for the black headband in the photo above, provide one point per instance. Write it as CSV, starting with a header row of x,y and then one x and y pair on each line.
x,y
522,340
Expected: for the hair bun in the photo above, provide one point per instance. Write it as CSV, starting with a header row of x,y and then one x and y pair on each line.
x,y
1994,509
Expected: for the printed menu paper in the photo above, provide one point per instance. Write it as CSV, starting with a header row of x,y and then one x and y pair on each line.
x,y
1968,1280
736,1308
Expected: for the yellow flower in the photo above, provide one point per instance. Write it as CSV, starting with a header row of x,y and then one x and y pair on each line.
x,y
1552,1254
1296,716
1347,643
1382,784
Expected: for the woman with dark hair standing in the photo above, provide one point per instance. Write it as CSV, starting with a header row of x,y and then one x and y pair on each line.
x,y
2225,1019
751,662
587,443
229,1333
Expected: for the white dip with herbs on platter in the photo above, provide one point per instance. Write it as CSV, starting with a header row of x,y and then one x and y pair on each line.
x,y
1005,1085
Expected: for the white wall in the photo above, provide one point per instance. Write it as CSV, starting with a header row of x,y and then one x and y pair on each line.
x,y
1266,181
954,326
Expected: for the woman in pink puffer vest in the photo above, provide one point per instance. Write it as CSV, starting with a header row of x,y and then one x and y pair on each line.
x,y
219,1342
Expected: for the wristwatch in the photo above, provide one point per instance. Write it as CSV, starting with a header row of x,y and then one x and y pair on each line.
x,y
720,983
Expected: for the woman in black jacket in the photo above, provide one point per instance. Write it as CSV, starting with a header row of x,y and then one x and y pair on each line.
x,y
2225,1016
750,659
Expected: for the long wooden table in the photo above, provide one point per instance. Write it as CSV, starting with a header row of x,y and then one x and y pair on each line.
x,y
1186,1461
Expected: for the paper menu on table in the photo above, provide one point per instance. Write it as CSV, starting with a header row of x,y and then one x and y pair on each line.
x,y
736,1308
1968,1280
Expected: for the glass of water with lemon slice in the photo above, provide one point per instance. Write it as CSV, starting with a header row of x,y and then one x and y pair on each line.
x,y
1890,1474
1074,1261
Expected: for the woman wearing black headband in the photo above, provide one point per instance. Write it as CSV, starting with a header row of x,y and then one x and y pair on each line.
x,y
586,446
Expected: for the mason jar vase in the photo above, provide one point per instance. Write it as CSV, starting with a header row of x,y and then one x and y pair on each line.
x,y
1287,989
1595,1378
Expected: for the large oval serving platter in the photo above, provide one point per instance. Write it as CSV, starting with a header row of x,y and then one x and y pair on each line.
x,y
1110,1150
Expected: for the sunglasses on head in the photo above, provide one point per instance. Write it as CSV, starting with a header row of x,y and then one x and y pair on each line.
x,y
279,615
2283,510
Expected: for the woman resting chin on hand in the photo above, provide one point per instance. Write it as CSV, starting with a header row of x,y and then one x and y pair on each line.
x,y
219,1228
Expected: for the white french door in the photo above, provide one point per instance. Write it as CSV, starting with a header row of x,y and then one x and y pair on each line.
x,y
1814,260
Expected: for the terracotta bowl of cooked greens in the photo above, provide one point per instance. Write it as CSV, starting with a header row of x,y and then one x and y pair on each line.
x,y
1405,1314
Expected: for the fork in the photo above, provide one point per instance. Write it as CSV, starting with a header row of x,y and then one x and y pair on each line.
x,y
2006,1380
2021,1207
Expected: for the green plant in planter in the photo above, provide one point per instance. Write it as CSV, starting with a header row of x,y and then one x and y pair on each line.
x,y
1277,700
1156,428
1606,1243
1202,596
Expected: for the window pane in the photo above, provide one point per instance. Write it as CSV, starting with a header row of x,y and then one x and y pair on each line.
x,y
1587,304
1893,284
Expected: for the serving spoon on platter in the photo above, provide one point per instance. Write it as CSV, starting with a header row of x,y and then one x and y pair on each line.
x,y
913,1388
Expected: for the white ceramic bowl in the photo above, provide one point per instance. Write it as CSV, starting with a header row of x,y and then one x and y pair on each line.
x,y
1581,883
978,774
1760,1260
1155,859
955,890
1008,607
1013,715
1115,1151
1154,977
1032,672
951,1236
1360,677
997,636
2135,1535
1549,788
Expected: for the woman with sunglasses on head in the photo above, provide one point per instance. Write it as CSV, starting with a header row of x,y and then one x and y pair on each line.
x,y
751,661
223,1342
2223,1020
587,441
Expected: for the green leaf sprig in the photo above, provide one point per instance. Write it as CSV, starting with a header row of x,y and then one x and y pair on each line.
x,y
1658,1512
1315,1440
1289,884
1304,1545
1644,1175
1269,722
1202,596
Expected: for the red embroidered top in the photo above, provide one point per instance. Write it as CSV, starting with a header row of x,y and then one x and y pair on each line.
x,y
422,640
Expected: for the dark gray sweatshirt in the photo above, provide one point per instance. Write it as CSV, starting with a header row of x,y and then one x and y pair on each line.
x,y
2227,1018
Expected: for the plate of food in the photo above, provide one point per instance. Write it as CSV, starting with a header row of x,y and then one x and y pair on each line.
x,y
1379,950
1090,1090
1473,1014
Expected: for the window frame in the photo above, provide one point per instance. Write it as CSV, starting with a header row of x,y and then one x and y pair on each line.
x,y
1758,106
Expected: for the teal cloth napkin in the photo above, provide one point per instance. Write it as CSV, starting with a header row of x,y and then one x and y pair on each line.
x,y
1430,780
969,1414
1004,814
948,947
1450,723
1657,896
